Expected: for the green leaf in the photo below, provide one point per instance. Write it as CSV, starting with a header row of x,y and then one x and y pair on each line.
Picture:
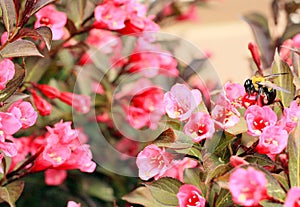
x,y
99,189
294,157
192,176
11,192
40,4
46,34
269,204
282,179
13,84
260,29
164,190
20,48
224,199
9,14
211,144
142,196
290,32
283,81
173,139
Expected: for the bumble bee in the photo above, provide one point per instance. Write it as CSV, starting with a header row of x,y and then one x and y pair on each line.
x,y
263,88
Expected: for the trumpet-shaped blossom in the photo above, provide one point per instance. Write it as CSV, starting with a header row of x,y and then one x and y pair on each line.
x,y
24,112
180,101
43,107
258,118
273,140
55,20
250,191
293,198
178,167
47,90
224,114
153,161
190,196
200,126
234,92
7,72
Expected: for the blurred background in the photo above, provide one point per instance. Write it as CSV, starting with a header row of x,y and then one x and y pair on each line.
x,y
221,31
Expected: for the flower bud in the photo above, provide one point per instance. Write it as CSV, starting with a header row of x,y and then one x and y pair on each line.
x,y
48,91
255,55
41,104
80,103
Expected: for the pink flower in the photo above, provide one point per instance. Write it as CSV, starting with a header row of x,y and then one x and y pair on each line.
x,y
128,148
178,167
153,161
7,72
110,16
73,204
200,126
290,117
55,177
24,112
98,88
190,196
250,191
258,118
80,103
145,108
55,20
273,140
293,198
224,114
296,40
234,92
236,161
180,101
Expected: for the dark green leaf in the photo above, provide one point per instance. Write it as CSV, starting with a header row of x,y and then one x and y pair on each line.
x,y
11,192
164,190
282,179
294,157
13,84
20,48
260,29
224,199
8,14
99,189
211,144
142,196
283,81
46,34
266,203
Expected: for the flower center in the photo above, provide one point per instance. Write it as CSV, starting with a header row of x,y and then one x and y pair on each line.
x,y
201,130
259,123
45,21
193,200
297,202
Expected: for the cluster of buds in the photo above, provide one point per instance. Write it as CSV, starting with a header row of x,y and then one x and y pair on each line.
x,y
81,103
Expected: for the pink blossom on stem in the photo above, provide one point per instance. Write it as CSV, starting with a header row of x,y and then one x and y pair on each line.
x,y
258,118
180,101
55,20
290,117
234,92
224,114
200,126
55,177
73,204
7,72
153,161
273,140
293,198
24,112
250,191
296,40
190,196
178,167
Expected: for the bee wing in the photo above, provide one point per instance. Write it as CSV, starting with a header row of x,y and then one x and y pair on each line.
x,y
274,86
272,76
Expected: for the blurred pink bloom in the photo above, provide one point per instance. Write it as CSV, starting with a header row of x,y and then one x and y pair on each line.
x,y
293,198
258,118
200,126
24,112
234,92
273,140
285,51
7,72
190,196
55,20
248,186
180,101
190,15
73,204
296,40
224,114
55,177
80,103
153,161
145,107
236,161
178,167
44,108
128,148
98,88
4,38
290,117
150,60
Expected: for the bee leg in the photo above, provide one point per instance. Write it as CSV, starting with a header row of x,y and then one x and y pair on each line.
x,y
277,100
